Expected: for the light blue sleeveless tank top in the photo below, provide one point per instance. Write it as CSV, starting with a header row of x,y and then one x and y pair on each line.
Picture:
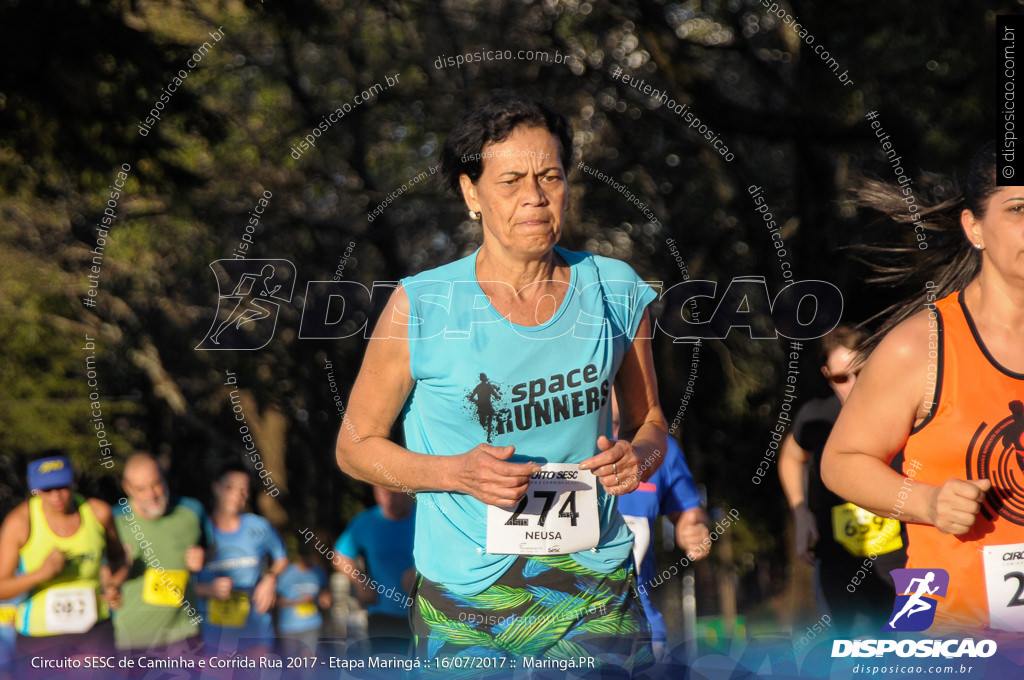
x,y
544,389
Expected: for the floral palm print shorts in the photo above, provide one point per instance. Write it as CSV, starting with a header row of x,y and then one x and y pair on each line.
x,y
544,612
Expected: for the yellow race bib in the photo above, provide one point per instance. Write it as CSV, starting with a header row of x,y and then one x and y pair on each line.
x,y
230,613
863,533
305,610
164,590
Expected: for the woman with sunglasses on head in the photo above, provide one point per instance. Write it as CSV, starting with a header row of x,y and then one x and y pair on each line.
x,y
831,533
943,382
52,548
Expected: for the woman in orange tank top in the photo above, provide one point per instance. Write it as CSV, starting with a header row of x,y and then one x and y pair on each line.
x,y
944,383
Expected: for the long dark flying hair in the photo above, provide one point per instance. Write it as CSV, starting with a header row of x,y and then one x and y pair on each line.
x,y
949,261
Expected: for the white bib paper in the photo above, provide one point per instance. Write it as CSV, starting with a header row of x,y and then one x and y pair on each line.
x,y
1004,582
641,537
557,516
70,610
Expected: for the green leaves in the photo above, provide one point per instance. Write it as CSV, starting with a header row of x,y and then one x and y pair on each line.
x,y
455,632
497,597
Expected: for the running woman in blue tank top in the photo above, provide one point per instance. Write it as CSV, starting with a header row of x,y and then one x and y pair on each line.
x,y
500,366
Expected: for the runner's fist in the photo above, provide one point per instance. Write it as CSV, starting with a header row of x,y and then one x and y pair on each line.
x,y
485,474
194,557
221,587
52,565
616,467
692,534
264,594
953,506
366,594
113,596
806,528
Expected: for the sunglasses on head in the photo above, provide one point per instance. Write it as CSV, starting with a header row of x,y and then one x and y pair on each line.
x,y
37,492
840,378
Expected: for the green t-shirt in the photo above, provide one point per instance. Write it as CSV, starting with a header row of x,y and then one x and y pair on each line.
x,y
158,601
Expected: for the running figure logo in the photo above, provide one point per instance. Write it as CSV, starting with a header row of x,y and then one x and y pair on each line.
x,y
916,600
485,399
247,316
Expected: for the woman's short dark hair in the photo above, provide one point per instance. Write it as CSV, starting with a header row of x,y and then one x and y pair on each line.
x,y
492,122
228,468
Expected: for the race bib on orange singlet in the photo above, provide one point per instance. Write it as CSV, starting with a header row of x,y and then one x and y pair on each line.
x,y
557,516
230,613
1004,584
862,533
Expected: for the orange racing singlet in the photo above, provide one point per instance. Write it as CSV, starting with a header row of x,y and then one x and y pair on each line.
x,y
974,432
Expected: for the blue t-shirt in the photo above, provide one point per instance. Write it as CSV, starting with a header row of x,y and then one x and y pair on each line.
x,y
482,379
670,489
386,546
239,555
297,583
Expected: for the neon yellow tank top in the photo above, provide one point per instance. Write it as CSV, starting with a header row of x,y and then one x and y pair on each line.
x,y
69,602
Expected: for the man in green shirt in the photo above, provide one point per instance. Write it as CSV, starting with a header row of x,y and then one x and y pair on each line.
x,y
162,536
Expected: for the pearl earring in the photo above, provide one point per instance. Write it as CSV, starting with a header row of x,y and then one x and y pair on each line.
x,y
474,215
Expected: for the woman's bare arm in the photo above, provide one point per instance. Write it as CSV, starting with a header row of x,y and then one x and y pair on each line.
x,y
793,476
641,450
13,536
889,398
365,452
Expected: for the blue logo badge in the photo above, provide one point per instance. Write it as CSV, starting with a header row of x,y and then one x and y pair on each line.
x,y
917,593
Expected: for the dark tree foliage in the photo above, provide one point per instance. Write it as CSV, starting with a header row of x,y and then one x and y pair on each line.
x,y
80,78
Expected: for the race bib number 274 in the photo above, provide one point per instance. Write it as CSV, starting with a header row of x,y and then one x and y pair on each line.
x,y
558,515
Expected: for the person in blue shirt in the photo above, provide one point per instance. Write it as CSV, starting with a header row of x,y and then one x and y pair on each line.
x,y
301,593
8,635
671,492
238,592
383,537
